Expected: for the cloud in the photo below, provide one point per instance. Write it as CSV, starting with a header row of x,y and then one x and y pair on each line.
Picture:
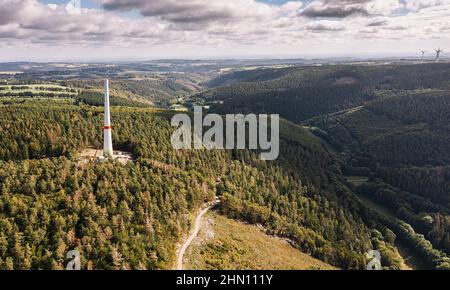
x,y
325,26
335,8
416,5
367,8
376,23
386,7
57,23
198,12
174,11
220,24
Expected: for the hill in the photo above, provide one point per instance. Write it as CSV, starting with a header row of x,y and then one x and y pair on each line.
x,y
132,215
225,244
385,126
301,93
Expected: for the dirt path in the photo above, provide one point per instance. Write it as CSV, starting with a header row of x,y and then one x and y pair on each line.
x,y
196,229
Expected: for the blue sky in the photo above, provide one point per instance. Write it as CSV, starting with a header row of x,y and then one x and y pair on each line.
x,y
90,4
85,3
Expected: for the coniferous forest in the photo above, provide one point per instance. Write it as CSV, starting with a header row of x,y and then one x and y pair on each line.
x,y
340,122
386,126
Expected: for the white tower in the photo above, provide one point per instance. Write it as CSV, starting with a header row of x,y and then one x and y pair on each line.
x,y
107,146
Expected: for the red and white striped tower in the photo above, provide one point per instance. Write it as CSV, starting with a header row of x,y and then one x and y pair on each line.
x,y
107,146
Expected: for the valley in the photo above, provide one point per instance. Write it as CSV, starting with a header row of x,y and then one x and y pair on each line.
x,y
363,165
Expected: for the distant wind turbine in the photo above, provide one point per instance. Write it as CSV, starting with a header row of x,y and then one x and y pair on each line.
x,y
423,54
438,54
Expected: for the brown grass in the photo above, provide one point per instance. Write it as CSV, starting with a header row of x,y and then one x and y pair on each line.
x,y
346,81
227,244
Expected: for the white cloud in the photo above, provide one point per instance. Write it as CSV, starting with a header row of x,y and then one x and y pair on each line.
x,y
217,25
416,5
384,7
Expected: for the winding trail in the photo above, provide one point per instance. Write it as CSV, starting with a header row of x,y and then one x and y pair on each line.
x,y
187,243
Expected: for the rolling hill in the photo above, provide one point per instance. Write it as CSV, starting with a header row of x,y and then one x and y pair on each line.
x,y
387,124
384,126
132,215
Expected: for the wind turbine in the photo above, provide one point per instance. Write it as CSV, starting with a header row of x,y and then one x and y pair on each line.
x,y
107,142
423,54
438,54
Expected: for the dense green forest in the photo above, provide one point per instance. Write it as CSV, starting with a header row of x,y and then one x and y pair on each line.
x,y
402,77
389,123
132,216
405,139
159,89
118,216
301,93
95,98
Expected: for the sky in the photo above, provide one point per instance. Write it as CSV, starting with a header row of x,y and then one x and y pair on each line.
x,y
51,30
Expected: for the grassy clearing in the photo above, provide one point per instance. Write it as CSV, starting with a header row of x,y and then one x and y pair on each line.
x,y
36,90
357,180
227,244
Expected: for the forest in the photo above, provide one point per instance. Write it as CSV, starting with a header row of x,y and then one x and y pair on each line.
x,y
132,216
388,124
301,93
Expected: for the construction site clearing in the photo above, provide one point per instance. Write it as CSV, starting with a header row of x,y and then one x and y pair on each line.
x,y
96,155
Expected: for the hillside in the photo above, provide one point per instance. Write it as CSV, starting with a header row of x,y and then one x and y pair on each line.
x,y
133,215
389,136
162,82
225,244
301,93
385,126
403,142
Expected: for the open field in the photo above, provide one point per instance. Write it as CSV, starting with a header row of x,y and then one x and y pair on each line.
x,y
357,180
10,72
36,90
227,244
92,155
